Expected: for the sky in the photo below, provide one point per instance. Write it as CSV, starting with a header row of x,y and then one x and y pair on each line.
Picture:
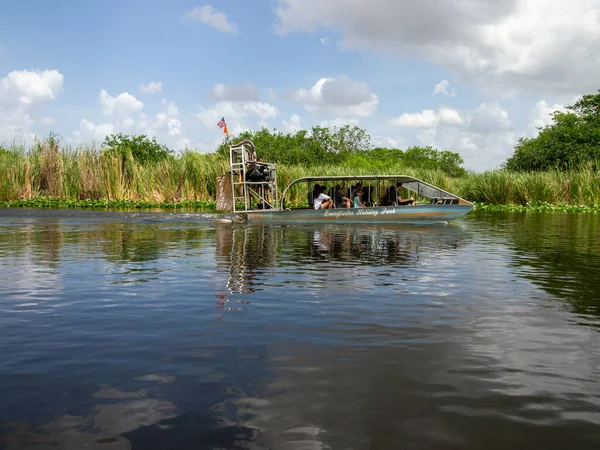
x,y
469,76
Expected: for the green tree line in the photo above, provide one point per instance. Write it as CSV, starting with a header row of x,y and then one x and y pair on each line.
x,y
572,140
346,146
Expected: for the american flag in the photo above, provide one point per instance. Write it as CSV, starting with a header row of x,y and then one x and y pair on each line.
x,y
223,125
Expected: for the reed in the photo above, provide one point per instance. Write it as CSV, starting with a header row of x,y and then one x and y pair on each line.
x,y
76,175
575,187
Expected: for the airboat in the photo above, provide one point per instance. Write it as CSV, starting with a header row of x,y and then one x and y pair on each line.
x,y
250,190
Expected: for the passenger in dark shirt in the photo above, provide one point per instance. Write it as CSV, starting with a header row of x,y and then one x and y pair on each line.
x,y
341,201
393,196
400,201
367,195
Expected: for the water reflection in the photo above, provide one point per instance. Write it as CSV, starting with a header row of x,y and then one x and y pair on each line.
x,y
244,252
103,427
560,253
331,336
248,252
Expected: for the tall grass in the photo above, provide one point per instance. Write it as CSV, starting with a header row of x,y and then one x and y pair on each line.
x,y
86,173
82,173
576,187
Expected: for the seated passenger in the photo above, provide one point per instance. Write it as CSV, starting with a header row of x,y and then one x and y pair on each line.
x,y
323,201
383,201
391,196
367,192
409,201
341,201
357,202
312,195
331,192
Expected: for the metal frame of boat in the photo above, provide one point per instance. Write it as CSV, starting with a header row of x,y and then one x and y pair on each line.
x,y
253,182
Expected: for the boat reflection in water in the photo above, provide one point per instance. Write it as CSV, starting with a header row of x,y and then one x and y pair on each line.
x,y
361,292
244,252
254,256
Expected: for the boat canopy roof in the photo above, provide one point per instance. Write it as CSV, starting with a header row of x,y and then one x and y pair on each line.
x,y
397,178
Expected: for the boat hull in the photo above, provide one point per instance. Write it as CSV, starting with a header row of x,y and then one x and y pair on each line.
x,y
383,214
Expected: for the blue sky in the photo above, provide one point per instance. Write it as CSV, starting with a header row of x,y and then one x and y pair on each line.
x,y
470,77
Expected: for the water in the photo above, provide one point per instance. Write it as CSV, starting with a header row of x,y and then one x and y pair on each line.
x,y
177,331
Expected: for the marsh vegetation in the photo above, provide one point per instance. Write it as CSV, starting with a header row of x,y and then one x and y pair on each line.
x,y
557,170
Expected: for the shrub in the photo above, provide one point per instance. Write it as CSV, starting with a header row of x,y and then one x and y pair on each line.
x,y
141,148
572,141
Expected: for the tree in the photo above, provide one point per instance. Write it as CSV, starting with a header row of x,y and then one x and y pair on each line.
x,y
430,158
141,148
571,140
320,145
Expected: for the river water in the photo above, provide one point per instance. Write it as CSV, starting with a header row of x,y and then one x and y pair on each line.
x,y
179,331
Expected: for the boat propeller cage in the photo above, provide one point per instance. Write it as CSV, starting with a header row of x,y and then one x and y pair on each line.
x,y
253,182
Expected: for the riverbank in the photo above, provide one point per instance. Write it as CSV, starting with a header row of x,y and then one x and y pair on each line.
x,y
210,205
48,202
47,176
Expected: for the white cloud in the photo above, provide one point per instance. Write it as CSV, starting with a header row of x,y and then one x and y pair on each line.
x,y
235,113
154,87
272,94
292,125
340,122
484,137
389,141
325,41
168,122
245,92
479,151
489,118
429,118
166,126
89,131
211,17
541,115
47,121
338,96
183,143
443,88
22,93
27,87
14,124
123,104
534,45
128,123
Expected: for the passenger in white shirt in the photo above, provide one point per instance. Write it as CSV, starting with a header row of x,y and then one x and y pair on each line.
x,y
323,201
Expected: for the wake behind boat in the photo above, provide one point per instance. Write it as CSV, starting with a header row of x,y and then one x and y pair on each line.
x,y
250,190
